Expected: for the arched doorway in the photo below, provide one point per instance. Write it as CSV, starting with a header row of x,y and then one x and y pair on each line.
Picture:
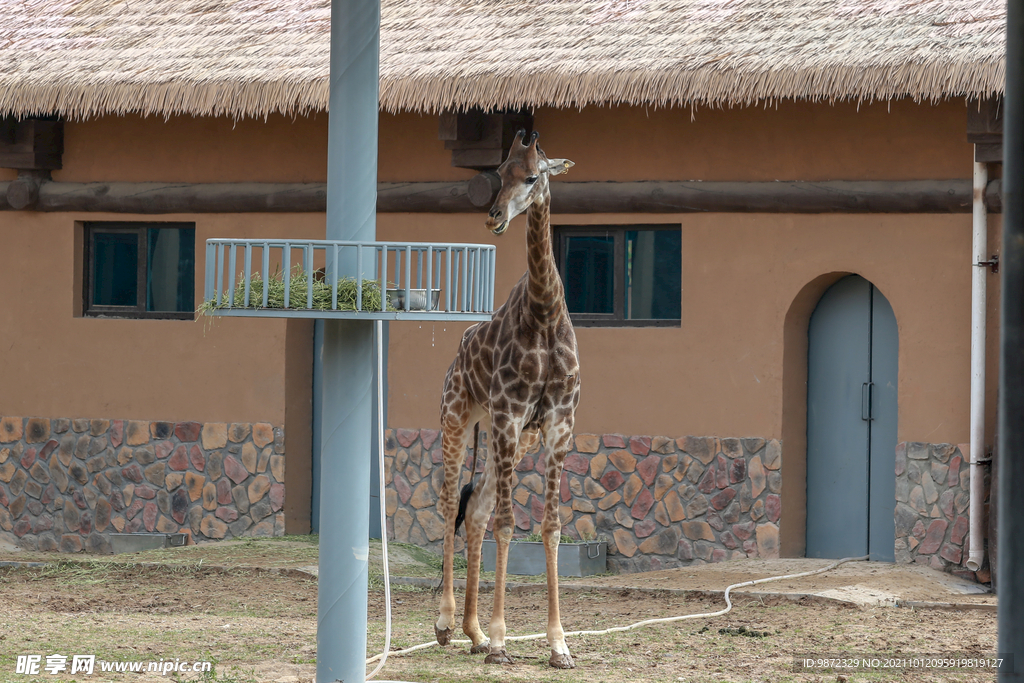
x,y
852,364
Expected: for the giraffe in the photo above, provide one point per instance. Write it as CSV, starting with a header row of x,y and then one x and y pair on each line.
x,y
518,371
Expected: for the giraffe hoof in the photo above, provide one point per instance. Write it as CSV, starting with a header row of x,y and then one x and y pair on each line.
x,y
443,636
500,657
481,648
562,661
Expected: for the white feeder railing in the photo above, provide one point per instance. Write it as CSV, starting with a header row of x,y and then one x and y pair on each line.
x,y
459,276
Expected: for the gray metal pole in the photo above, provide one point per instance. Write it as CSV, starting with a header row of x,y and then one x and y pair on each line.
x,y
352,128
346,357
1011,356
344,501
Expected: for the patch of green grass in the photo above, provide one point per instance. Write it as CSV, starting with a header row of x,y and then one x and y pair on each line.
x,y
426,557
298,289
312,539
288,551
235,674
69,573
537,538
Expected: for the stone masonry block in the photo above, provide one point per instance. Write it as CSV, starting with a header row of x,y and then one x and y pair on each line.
x,y
10,429
214,435
137,433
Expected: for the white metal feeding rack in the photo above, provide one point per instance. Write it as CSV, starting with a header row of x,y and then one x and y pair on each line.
x,y
454,282
410,276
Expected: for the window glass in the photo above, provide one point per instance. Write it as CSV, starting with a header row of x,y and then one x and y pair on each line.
x,y
143,270
652,278
589,274
115,268
170,282
622,275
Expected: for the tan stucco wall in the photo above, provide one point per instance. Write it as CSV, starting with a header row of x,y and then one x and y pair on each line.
x,y
719,373
61,365
281,149
795,141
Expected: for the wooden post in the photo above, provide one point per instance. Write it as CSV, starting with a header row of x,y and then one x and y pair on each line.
x,y
642,197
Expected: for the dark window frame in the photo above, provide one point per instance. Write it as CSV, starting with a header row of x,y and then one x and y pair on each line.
x,y
561,233
140,229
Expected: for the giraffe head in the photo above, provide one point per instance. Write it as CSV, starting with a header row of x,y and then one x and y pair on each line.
x,y
524,179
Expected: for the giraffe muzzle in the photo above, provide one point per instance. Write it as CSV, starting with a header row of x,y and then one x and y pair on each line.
x,y
501,228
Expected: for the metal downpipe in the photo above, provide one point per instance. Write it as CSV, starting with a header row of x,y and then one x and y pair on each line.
x,y
1011,355
346,355
979,276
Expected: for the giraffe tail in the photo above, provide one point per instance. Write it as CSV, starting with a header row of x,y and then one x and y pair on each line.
x,y
467,490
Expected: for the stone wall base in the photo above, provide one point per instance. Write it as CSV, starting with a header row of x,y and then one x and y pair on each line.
x,y
664,502
660,502
933,498
65,484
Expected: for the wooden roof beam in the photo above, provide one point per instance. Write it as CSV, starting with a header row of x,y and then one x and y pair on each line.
x,y
985,129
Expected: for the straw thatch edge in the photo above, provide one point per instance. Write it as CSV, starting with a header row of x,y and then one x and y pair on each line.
x,y
934,81
239,100
929,82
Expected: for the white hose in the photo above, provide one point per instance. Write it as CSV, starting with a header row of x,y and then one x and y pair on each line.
x,y
646,622
383,657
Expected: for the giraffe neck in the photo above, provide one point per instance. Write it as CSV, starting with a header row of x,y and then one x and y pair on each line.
x,y
545,292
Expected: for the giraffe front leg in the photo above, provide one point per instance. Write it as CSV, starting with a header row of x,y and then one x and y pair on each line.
x,y
502,536
551,530
453,444
505,440
446,617
478,510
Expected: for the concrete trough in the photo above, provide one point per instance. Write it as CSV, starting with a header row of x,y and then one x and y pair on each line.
x,y
526,558
134,543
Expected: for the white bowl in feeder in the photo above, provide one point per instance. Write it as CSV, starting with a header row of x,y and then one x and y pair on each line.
x,y
417,299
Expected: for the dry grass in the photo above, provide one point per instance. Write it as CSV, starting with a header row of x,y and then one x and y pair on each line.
x,y
298,294
262,627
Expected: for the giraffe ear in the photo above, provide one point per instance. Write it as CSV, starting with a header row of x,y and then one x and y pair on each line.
x,y
559,166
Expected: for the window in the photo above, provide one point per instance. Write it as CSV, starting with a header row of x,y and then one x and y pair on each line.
x,y
621,275
140,270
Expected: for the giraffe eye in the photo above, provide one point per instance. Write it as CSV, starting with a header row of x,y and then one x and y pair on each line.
x,y
531,180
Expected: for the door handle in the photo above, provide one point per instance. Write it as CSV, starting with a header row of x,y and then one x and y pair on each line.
x,y
865,401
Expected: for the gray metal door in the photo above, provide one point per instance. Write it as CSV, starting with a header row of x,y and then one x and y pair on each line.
x,y
853,350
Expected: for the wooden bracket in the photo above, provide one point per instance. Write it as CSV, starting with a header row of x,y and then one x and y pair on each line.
x,y
23,193
483,189
478,140
31,144
985,129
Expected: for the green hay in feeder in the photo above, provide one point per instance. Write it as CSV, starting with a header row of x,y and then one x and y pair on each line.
x,y
297,295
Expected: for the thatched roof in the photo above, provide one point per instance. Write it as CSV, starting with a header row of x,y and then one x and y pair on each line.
x,y
253,57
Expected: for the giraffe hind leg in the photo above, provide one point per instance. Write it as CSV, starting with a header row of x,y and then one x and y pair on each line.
x,y
502,468
455,424
505,441
558,437
478,506
475,506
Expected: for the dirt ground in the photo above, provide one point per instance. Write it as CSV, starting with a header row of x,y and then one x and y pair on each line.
x,y
859,582
259,626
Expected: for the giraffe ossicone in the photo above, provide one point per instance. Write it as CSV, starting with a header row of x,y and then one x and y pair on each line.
x,y
519,374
